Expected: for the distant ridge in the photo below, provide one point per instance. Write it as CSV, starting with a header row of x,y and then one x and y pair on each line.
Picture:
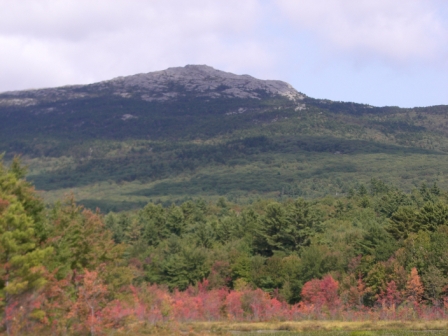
x,y
164,85
196,131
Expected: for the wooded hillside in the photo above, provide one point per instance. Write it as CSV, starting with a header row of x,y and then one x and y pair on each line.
x,y
377,253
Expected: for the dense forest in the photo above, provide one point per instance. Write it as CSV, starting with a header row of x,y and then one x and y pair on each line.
x,y
121,152
376,252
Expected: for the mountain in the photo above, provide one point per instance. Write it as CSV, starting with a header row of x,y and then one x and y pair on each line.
x,y
195,131
154,105
173,83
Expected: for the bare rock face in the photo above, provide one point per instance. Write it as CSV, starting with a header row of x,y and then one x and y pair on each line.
x,y
169,84
200,79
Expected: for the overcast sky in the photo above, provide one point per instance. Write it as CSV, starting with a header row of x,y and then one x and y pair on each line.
x,y
379,52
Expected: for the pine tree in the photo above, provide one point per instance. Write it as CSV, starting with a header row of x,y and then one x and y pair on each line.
x,y
432,215
81,241
403,222
435,190
21,258
287,228
362,190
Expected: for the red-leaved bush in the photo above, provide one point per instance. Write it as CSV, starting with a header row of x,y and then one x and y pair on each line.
x,y
322,293
90,311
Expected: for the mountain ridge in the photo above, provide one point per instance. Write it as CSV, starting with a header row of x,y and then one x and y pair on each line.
x,y
195,131
155,86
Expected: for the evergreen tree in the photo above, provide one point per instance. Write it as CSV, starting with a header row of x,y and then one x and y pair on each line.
x,y
175,221
432,215
81,241
403,222
378,187
287,227
435,190
21,258
153,219
362,190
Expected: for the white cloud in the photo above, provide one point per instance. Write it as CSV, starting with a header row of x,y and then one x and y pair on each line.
x,y
394,31
49,42
28,63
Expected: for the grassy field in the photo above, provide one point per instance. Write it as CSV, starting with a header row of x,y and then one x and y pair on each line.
x,y
303,328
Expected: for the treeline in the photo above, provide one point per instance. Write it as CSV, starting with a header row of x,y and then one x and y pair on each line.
x,y
376,233
376,253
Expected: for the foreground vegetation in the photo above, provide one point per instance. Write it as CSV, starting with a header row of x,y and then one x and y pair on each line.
x,y
360,261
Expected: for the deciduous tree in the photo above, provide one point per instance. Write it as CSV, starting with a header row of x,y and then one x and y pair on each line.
x,y
414,287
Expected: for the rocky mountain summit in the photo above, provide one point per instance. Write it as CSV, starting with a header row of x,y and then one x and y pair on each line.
x,y
201,79
170,84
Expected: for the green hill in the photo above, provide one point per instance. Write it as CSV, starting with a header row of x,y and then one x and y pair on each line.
x,y
198,132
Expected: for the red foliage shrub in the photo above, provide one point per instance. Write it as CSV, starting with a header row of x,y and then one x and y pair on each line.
x,y
392,297
86,313
93,313
322,293
233,305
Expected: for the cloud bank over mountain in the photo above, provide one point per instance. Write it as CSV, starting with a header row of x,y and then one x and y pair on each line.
x,y
339,49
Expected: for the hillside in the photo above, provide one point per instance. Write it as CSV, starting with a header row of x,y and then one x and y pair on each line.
x,y
195,131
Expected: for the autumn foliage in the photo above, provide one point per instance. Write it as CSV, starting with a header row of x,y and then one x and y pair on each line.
x,y
322,293
93,312
66,272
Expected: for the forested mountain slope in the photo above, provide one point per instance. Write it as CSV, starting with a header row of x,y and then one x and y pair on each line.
x,y
195,131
